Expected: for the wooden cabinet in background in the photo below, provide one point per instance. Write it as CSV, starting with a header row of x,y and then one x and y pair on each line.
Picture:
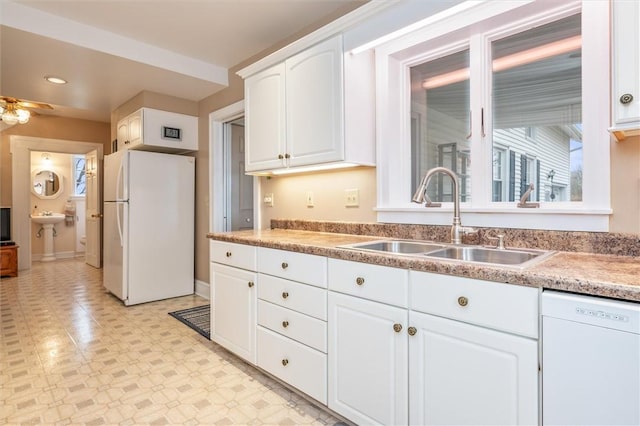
x,y
9,261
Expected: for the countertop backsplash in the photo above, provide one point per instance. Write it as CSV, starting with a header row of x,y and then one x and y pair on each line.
x,y
569,241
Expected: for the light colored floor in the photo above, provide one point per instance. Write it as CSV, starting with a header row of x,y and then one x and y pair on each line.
x,y
70,353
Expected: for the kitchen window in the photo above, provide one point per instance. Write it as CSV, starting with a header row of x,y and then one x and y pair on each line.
x,y
510,102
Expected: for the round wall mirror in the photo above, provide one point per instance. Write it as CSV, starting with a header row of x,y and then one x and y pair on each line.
x,y
46,184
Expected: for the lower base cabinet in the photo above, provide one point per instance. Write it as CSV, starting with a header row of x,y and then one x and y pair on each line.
x,y
234,313
299,365
367,360
461,374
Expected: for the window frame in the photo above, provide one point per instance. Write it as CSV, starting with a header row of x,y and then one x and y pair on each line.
x,y
74,176
393,105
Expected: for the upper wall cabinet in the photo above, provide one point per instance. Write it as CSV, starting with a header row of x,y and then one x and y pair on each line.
x,y
161,131
626,68
295,111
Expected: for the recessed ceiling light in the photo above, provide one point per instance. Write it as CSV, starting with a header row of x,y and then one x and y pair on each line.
x,y
55,80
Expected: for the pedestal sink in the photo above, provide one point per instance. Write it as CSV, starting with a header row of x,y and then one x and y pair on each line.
x,y
47,222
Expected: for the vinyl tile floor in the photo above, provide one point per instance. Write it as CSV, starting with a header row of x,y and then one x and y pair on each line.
x,y
71,353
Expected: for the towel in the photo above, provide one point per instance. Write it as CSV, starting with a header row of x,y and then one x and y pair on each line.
x,y
69,213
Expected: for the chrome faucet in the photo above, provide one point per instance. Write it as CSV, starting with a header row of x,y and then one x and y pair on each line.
x,y
457,230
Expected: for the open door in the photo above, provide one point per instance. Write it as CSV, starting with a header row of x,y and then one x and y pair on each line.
x,y
241,193
94,215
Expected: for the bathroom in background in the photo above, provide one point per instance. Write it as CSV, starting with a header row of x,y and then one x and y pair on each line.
x,y
57,186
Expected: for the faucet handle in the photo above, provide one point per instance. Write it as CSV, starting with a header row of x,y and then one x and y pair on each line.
x,y
429,203
500,241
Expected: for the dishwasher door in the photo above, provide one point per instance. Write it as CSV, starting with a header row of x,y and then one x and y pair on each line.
x,y
590,360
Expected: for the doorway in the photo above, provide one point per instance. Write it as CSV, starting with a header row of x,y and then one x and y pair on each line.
x,y
238,186
224,124
21,147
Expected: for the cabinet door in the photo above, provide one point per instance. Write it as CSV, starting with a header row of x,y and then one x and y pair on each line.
x,y
315,104
135,128
467,375
233,320
626,64
265,119
367,361
122,133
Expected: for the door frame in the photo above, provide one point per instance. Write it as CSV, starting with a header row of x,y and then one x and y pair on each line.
x,y
21,147
217,180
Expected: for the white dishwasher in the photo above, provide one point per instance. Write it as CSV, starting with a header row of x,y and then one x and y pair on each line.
x,y
590,360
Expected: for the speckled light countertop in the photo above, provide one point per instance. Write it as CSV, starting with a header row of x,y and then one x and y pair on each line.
x,y
594,274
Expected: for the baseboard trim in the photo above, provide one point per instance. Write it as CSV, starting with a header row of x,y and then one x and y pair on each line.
x,y
202,289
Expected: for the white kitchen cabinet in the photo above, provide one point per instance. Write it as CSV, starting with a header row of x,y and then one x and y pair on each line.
x,y
265,131
234,298
368,369
625,40
161,131
461,374
129,132
473,351
292,319
295,110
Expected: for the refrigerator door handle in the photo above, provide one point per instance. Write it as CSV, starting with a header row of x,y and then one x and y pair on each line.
x,y
119,187
119,221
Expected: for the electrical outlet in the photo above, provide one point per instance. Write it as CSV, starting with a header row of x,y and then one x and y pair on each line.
x,y
268,199
351,197
309,198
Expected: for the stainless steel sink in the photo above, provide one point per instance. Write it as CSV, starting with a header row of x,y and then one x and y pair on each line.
x,y
397,246
520,258
487,255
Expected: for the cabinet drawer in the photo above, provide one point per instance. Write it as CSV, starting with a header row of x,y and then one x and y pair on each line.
x,y
310,331
504,307
299,297
373,282
293,362
232,254
306,268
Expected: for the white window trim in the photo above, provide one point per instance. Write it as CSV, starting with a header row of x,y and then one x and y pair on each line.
x,y
393,129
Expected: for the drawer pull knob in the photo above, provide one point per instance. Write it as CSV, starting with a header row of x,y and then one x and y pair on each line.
x,y
359,280
463,301
412,331
285,324
285,294
285,265
285,362
280,156
228,254
397,328
627,98
250,284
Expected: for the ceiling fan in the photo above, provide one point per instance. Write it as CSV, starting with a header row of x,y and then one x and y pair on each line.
x,y
14,110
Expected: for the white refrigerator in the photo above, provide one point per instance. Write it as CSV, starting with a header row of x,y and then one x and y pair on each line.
x,y
149,217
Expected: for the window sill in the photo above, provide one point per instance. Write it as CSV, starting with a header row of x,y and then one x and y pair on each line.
x,y
546,218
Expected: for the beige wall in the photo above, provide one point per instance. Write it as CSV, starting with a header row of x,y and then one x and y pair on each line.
x,y
328,188
50,127
625,185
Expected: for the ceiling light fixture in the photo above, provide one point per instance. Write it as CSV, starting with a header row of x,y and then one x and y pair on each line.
x,y
12,114
55,80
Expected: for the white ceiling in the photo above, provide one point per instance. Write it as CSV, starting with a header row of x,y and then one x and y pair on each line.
x,y
109,50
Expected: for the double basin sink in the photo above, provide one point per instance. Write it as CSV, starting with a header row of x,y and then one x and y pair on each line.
x,y
519,258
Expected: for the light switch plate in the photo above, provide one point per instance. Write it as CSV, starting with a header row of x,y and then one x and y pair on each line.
x,y
309,198
351,197
268,199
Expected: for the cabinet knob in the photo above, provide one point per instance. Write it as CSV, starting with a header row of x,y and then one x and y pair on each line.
x,y
280,156
228,254
250,284
285,324
285,362
359,280
397,328
285,265
463,301
627,98
287,156
285,294
412,331
126,142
